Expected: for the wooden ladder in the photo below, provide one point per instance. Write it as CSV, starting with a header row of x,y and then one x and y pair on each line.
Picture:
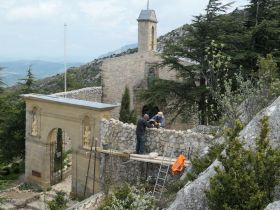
x,y
163,170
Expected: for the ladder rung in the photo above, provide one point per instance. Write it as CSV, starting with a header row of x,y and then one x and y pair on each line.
x,y
161,178
159,185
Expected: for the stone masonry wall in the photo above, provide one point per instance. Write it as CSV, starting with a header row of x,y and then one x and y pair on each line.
x,y
122,137
88,94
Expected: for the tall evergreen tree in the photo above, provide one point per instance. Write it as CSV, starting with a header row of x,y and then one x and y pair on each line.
x,y
126,115
264,25
28,81
234,186
267,165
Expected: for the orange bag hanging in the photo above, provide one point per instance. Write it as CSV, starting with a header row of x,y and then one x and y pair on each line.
x,y
179,164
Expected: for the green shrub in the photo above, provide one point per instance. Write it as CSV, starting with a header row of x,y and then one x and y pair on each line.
x,y
248,178
5,171
29,186
200,164
15,167
59,202
128,197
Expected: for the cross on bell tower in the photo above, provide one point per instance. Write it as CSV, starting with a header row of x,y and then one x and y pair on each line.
x,y
147,30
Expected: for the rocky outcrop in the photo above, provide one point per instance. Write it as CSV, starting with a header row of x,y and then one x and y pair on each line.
x,y
273,206
192,196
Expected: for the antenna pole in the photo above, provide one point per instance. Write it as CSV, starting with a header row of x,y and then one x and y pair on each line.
x,y
65,66
148,4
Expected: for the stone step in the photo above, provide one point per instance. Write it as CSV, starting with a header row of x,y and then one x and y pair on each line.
x,y
8,206
36,205
21,203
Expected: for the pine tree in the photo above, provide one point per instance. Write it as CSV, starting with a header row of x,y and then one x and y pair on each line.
x,y
234,186
264,25
28,81
267,165
126,115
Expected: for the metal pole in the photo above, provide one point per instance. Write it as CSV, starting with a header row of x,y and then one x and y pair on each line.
x,y
65,66
95,144
88,166
148,5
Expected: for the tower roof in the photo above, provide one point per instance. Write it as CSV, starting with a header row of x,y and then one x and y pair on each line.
x,y
148,15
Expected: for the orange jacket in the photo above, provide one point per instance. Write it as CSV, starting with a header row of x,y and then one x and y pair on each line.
x,y
179,164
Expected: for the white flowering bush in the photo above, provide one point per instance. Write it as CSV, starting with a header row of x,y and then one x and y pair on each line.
x,y
128,197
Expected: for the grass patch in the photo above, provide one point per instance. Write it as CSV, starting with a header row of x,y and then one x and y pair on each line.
x,y
32,187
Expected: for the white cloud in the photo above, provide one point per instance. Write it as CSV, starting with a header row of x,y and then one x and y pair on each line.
x,y
35,27
107,13
35,11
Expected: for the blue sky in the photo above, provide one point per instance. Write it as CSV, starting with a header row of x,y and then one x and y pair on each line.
x,y
33,29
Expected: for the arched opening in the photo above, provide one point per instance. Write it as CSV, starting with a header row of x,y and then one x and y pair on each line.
x,y
60,155
150,109
153,38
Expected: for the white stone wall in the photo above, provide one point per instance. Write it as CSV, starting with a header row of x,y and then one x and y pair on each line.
x,y
122,137
88,94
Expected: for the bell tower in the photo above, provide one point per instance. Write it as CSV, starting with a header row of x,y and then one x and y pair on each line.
x,y
147,30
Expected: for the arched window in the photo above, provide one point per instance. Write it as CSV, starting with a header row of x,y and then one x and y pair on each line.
x,y
153,37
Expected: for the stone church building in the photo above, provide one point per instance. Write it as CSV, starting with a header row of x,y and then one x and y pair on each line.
x,y
134,70
70,126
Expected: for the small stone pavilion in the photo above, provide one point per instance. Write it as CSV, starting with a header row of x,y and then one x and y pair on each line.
x,y
79,119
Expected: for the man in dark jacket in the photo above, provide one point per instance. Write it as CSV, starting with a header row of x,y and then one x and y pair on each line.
x,y
140,133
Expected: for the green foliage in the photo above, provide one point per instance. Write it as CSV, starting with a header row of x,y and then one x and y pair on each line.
x,y
242,43
263,22
29,186
12,121
128,197
247,178
1,82
126,115
269,79
84,76
12,127
27,86
200,164
267,164
191,94
59,202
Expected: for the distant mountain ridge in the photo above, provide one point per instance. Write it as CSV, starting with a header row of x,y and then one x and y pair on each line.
x,y
15,70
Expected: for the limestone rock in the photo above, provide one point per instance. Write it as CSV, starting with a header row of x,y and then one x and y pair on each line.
x,y
273,206
192,196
